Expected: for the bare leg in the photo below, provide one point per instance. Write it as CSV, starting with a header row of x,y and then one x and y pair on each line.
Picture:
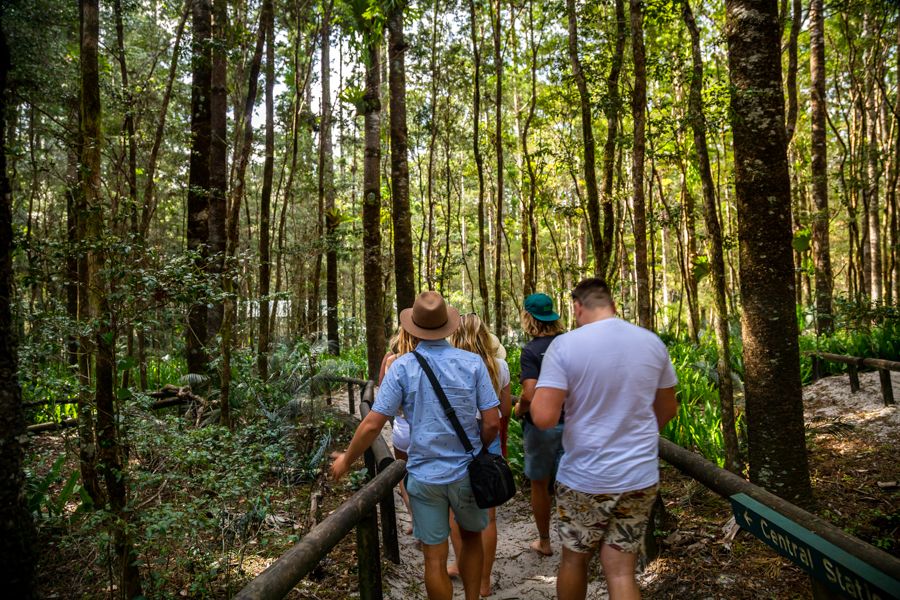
x,y
540,506
470,562
489,543
619,567
456,540
437,584
571,583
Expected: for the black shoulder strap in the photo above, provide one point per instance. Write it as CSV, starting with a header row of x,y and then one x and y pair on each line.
x,y
445,404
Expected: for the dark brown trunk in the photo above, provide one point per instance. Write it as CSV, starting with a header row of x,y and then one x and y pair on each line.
x,y
400,215
529,223
714,247
819,169
612,131
17,534
326,191
371,213
638,111
791,120
778,459
587,134
498,140
265,204
198,178
218,162
479,164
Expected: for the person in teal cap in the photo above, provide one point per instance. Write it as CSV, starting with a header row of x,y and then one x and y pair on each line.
x,y
543,449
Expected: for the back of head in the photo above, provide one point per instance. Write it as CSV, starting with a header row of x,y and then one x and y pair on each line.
x,y
472,335
593,293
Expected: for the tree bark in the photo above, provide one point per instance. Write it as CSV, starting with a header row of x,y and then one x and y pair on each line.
x,y
714,247
371,217
198,179
638,111
791,119
326,191
498,135
218,163
819,169
778,459
17,533
873,164
265,204
479,164
611,110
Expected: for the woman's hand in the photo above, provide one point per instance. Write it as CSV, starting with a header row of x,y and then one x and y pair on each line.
x,y
340,466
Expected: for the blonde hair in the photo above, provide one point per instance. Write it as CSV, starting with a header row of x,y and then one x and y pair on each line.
x,y
473,335
403,342
536,328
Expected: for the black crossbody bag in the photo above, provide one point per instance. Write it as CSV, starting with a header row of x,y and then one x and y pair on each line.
x,y
490,476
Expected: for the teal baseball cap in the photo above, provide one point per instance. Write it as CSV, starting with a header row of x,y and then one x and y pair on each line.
x,y
540,306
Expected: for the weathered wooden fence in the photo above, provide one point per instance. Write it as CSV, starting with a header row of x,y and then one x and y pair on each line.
x,y
854,364
360,511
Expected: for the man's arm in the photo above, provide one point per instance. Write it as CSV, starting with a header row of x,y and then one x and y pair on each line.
x,y
365,434
665,406
490,426
527,395
547,406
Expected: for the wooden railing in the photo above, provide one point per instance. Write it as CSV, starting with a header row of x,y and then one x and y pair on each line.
x,y
854,363
360,511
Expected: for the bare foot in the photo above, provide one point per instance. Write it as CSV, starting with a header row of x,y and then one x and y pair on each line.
x,y
452,570
542,547
486,588
408,529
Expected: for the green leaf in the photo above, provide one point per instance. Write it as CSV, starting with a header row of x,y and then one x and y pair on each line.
x,y
802,240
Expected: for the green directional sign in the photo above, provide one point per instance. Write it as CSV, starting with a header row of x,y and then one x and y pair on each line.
x,y
840,571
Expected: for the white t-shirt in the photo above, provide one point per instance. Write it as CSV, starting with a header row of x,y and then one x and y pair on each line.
x,y
502,373
611,370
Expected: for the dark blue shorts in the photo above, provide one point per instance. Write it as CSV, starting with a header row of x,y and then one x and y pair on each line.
x,y
543,449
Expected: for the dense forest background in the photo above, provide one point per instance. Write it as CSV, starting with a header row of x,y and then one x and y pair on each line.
x,y
226,193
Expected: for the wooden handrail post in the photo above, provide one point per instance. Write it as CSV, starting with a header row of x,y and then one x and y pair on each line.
x,y
389,538
887,391
368,557
351,398
853,372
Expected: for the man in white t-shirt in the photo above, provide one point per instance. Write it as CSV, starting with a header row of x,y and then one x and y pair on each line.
x,y
618,387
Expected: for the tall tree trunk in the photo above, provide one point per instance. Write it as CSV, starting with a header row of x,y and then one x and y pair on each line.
x,y
714,247
326,192
529,223
371,213
778,459
638,111
265,204
873,166
218,163
819,169
479,164
244,128
17,534
791,119
498,139
109,458
587,134
403,256
198,179
612,130
432,138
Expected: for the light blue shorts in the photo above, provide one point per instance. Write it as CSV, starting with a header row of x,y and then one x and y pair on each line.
x,y
543,449
431,504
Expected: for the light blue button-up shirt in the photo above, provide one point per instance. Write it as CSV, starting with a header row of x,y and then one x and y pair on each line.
x,y
436,455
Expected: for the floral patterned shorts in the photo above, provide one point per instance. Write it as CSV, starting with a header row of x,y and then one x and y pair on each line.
x,y
588,520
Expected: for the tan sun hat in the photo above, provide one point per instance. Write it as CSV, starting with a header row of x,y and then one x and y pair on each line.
x,y
430,317
499,350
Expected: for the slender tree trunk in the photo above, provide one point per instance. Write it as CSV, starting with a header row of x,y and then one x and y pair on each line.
x,y
498,134
714,247
218,163
479,164
265,204
791,119
774,400
587,134
198,180
819,169
371,217
433,131
403,256
873,164
17,534
638,111
612,131
529,228
244,128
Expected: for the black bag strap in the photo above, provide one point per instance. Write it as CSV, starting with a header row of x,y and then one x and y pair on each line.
x,y
445,404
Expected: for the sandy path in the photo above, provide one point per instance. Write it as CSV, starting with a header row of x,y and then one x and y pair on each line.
x,y
518,572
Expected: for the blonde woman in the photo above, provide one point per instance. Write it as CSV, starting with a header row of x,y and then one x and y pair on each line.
x,y
543,449
473,335
402,343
